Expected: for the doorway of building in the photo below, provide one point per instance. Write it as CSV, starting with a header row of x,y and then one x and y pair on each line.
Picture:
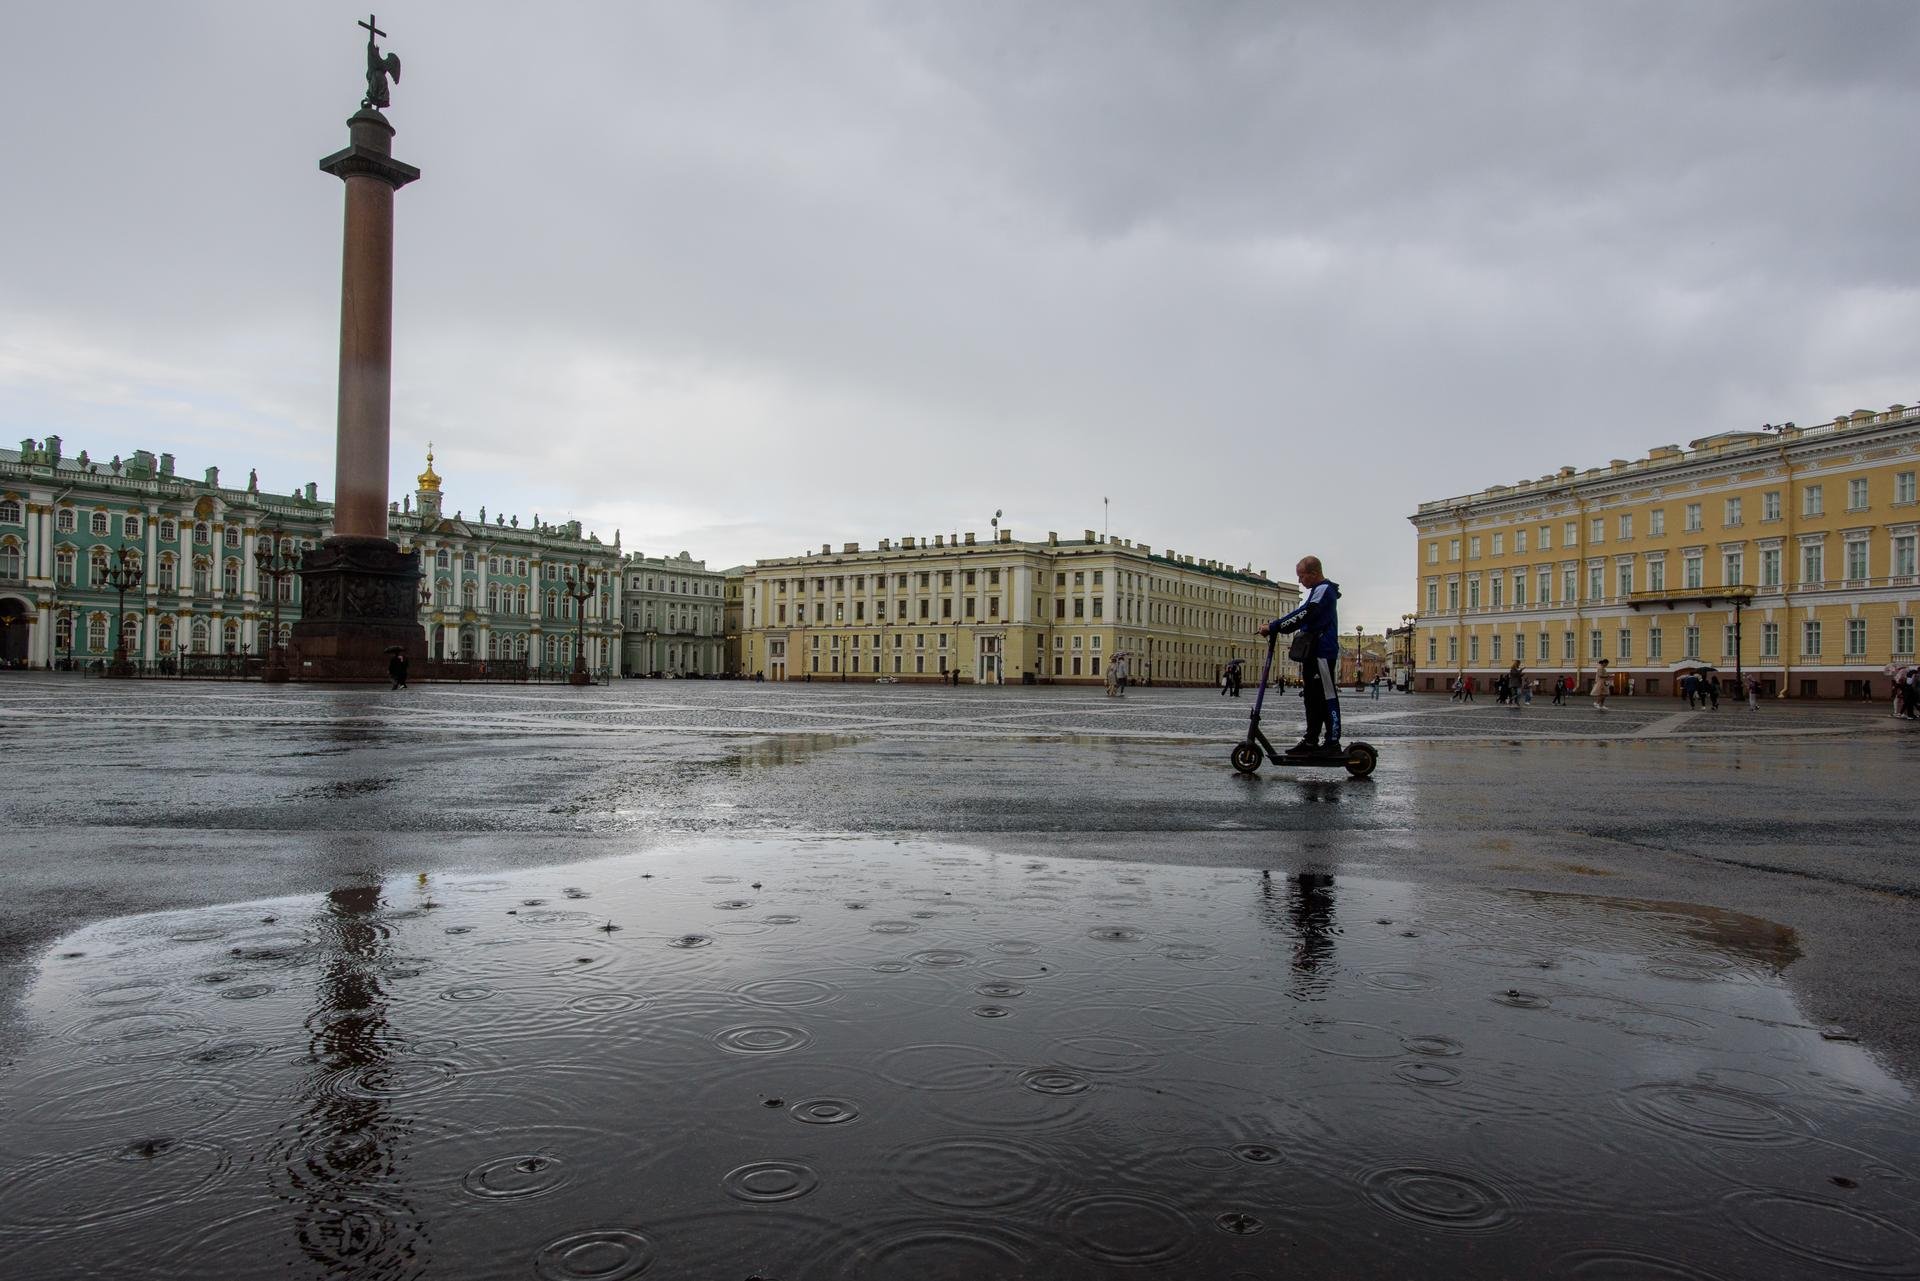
x,y
986,669
16,625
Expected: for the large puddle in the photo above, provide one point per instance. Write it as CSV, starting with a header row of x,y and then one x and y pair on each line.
x,y
816,1060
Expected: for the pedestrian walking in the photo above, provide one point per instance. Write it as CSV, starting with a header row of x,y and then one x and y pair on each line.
x,y
1629,687
397,668
1600,686
1713,691
1753,693
1559,691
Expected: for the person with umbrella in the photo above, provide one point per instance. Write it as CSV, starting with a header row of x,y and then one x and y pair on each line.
x,y
397,666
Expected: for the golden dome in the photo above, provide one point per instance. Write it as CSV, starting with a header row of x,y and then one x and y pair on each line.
x,y
429,479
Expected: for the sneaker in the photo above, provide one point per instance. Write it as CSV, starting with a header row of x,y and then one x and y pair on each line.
x,y
1305,747
1332,748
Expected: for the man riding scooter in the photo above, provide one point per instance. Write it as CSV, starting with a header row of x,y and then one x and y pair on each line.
x,y
1317,651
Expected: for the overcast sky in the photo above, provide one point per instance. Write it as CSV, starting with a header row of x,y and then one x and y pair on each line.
x,y
743,279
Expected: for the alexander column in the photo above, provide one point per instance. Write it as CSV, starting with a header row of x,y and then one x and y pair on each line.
x,y
360,591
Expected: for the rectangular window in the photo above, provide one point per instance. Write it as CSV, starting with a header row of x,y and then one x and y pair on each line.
x,y
1593,644
1657,575
993,607
1433,597
1856,560
1656,643
1626,525
1770,640
1432,649
1453,549
1857,494
1596,582
1499,544
1727,641
1625,574
1079,607
1433,553
1519,541
1810,639
1626,642
1566,647
1657,521
1730,513
1856,637
1453,649
1453,596
1543,585
1903,554
1572,534
1473,649
1519,590
1473,548
1546,651
1597,530
1568,580
969,603
1813,563
1099,606
1903,487
1693,517
1770,567
1733,569
1546,538
1903,636
1770,505
1473,592
1496,647
1694,567
1692,641
1499,586
1812,502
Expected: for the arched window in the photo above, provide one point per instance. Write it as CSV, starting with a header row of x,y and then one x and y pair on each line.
x,y
130,632
286,632
285,589
443,593
63,630
202,533
232,536
493,598
97,633
553,605
493,564
9,511
9,559
97,567
130,526
553,649
97,524
202,580
168,570
163,634
469,594
466,561
520,601
230,578
493,646
169,532
63,520
520,644
199,634
443,559
230,636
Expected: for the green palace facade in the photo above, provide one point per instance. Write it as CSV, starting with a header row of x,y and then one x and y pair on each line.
x,y
497,590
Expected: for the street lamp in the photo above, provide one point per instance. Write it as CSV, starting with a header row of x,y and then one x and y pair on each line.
x,y
274,565
7,620
122,573
580,586
1408,620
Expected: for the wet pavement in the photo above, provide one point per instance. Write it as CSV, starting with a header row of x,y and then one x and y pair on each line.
x,y
1040,986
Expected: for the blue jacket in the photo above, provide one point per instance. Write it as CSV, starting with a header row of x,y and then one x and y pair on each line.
x,y
1318,614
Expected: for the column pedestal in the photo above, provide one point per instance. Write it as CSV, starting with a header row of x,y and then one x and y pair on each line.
x,y
362,600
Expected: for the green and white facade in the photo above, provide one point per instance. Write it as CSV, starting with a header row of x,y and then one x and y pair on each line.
x,y
497,588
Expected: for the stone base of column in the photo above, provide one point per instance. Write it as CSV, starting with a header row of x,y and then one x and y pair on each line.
x,y
360,601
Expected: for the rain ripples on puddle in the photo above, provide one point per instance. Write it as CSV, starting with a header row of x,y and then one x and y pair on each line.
x,y
994,1067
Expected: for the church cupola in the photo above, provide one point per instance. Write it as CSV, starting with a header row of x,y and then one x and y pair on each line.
x,y
427,496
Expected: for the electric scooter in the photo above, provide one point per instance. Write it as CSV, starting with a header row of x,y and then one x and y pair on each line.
x,y
1358,758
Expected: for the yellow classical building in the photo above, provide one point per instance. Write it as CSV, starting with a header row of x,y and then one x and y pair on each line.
x,y
1786,553
1003,611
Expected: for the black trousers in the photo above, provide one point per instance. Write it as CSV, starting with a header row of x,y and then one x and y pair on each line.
x,y
1323,700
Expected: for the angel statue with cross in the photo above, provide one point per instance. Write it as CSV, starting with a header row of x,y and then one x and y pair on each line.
x,y
379,68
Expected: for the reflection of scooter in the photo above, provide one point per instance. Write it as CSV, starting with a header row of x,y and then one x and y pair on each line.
x,y
1359,758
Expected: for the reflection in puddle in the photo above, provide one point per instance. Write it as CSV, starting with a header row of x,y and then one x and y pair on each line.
x,y
1176,1072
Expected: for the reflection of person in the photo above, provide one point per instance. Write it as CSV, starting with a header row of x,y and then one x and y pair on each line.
x,y
1307,914
1318,617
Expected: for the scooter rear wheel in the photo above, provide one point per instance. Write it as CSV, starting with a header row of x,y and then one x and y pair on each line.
x,y
1361,758
1246,758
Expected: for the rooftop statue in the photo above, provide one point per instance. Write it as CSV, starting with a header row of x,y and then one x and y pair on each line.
x,y
380,68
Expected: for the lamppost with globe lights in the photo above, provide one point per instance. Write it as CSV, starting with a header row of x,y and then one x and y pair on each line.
x,y
580,586
123,573
274,565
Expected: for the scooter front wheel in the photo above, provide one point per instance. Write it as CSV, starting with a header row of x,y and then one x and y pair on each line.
x,y
1361,758
1246,758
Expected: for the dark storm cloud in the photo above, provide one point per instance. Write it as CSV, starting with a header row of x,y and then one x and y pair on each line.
x,y
746,278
